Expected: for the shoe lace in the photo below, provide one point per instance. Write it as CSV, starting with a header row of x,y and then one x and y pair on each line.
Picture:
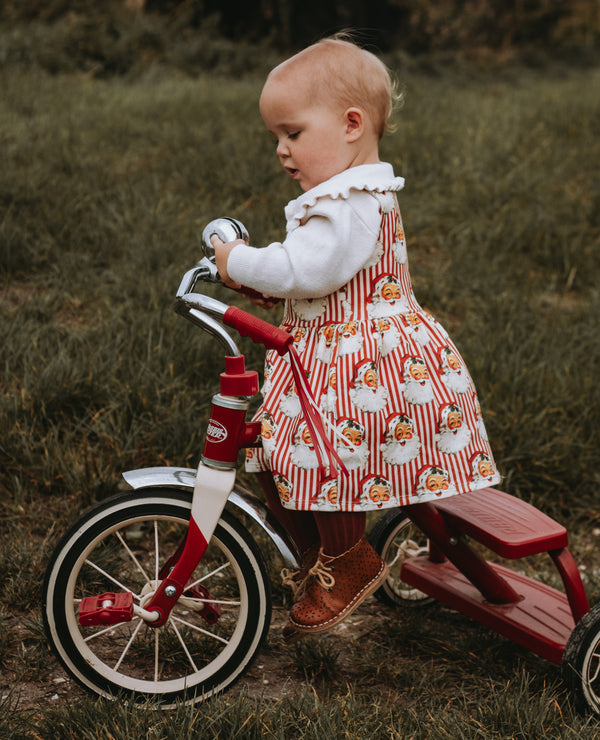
x,y
322,573
289,579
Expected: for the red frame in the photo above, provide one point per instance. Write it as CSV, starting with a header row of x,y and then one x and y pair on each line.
x,y
531,613
526,611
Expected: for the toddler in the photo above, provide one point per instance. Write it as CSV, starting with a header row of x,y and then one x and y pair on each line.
x,y
399,400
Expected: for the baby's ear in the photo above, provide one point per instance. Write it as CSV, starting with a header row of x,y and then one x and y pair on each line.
x,y
355,123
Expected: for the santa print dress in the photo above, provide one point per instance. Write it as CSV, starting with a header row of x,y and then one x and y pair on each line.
x,y
389,380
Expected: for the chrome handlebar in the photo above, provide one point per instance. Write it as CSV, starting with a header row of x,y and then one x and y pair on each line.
x,y
202,309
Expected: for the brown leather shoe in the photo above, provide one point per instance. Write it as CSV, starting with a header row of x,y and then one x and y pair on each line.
x,y
335,587
296,579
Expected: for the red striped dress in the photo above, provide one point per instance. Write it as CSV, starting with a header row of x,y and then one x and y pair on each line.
x,y
389,381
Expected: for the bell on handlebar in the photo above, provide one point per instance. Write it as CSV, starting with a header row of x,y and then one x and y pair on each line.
x,y
227,229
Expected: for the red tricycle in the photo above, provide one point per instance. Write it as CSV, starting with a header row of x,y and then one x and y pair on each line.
x,y
162,593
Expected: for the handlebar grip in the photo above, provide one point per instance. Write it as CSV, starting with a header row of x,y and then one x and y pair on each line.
x,y
258,330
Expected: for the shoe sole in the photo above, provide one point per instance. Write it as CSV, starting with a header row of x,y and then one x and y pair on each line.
x,y
302,631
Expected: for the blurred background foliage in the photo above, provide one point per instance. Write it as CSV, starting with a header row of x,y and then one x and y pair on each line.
x,y
118,36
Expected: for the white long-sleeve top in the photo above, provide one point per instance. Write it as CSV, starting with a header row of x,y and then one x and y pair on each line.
x,y
332,231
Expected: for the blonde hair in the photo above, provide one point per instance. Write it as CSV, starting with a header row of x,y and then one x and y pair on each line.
x,y
336,69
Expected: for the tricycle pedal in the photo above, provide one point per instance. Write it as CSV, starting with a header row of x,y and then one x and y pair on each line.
x,y
105,609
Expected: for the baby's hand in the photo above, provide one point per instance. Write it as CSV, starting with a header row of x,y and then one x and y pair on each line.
x,y
222,251
264,301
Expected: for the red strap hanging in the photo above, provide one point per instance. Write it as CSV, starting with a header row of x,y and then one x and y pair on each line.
x,y
324,449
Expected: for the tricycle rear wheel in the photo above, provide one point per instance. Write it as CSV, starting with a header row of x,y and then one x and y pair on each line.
x,y
581,662
395,538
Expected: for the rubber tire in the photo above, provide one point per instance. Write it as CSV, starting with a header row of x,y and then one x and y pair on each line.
x,y
134,513
387,535
581,662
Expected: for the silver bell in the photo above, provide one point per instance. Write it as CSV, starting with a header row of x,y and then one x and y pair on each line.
x,y
227,229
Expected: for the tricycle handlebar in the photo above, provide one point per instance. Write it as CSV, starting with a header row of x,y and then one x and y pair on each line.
x,y
196,306
258,330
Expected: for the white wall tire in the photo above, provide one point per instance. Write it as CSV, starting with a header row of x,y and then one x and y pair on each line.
x,y
115,547
396,538
581,662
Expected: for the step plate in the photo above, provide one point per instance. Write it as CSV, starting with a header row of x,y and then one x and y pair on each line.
x,y
507,525
542,621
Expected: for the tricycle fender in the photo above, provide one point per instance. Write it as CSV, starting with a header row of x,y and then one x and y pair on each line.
x,y
240,498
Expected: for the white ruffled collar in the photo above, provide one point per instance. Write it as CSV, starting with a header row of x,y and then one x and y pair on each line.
x,y
378,177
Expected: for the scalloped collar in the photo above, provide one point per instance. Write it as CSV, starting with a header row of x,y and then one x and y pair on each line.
x,y
378,177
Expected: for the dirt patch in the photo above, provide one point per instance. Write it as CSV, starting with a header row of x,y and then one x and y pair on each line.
x,y
273,675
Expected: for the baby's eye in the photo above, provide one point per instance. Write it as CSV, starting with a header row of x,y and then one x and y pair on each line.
x,y
293,135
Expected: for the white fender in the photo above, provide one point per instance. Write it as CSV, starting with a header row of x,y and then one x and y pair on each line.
x,y
240,497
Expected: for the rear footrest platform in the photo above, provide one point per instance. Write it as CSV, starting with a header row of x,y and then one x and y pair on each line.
x,y
508,526
542,621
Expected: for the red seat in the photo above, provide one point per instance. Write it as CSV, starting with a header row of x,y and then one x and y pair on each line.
x,y
508,526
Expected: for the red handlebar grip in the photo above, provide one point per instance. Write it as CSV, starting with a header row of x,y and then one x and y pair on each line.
x,y
258,330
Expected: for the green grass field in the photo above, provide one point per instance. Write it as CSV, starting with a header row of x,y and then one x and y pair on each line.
x,y
104,190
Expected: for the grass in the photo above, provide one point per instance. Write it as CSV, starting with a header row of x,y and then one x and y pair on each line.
x,y
104,191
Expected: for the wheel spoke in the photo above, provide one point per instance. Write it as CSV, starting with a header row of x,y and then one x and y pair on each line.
x,y
110,628
198,603
132,556
597,671
156,556
156,653
210,574
184,646
111,578
199,629
129,643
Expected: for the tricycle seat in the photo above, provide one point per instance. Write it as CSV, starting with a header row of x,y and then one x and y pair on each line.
x,y
508,526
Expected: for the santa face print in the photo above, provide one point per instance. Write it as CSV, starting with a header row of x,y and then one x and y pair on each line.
x,y
365,392
303,452
415,328
284,487
386,298
482,469
377,491
387,336
417,385
329,398
453,435
351,338
309,309
300,338
325,344
433,480
352,449
290,403
327,497
399,245
268,431
300,335
268,379
453,373
480,425
402,443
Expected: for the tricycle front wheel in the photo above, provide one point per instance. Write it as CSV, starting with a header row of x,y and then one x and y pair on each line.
x,y
214,631
581,662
